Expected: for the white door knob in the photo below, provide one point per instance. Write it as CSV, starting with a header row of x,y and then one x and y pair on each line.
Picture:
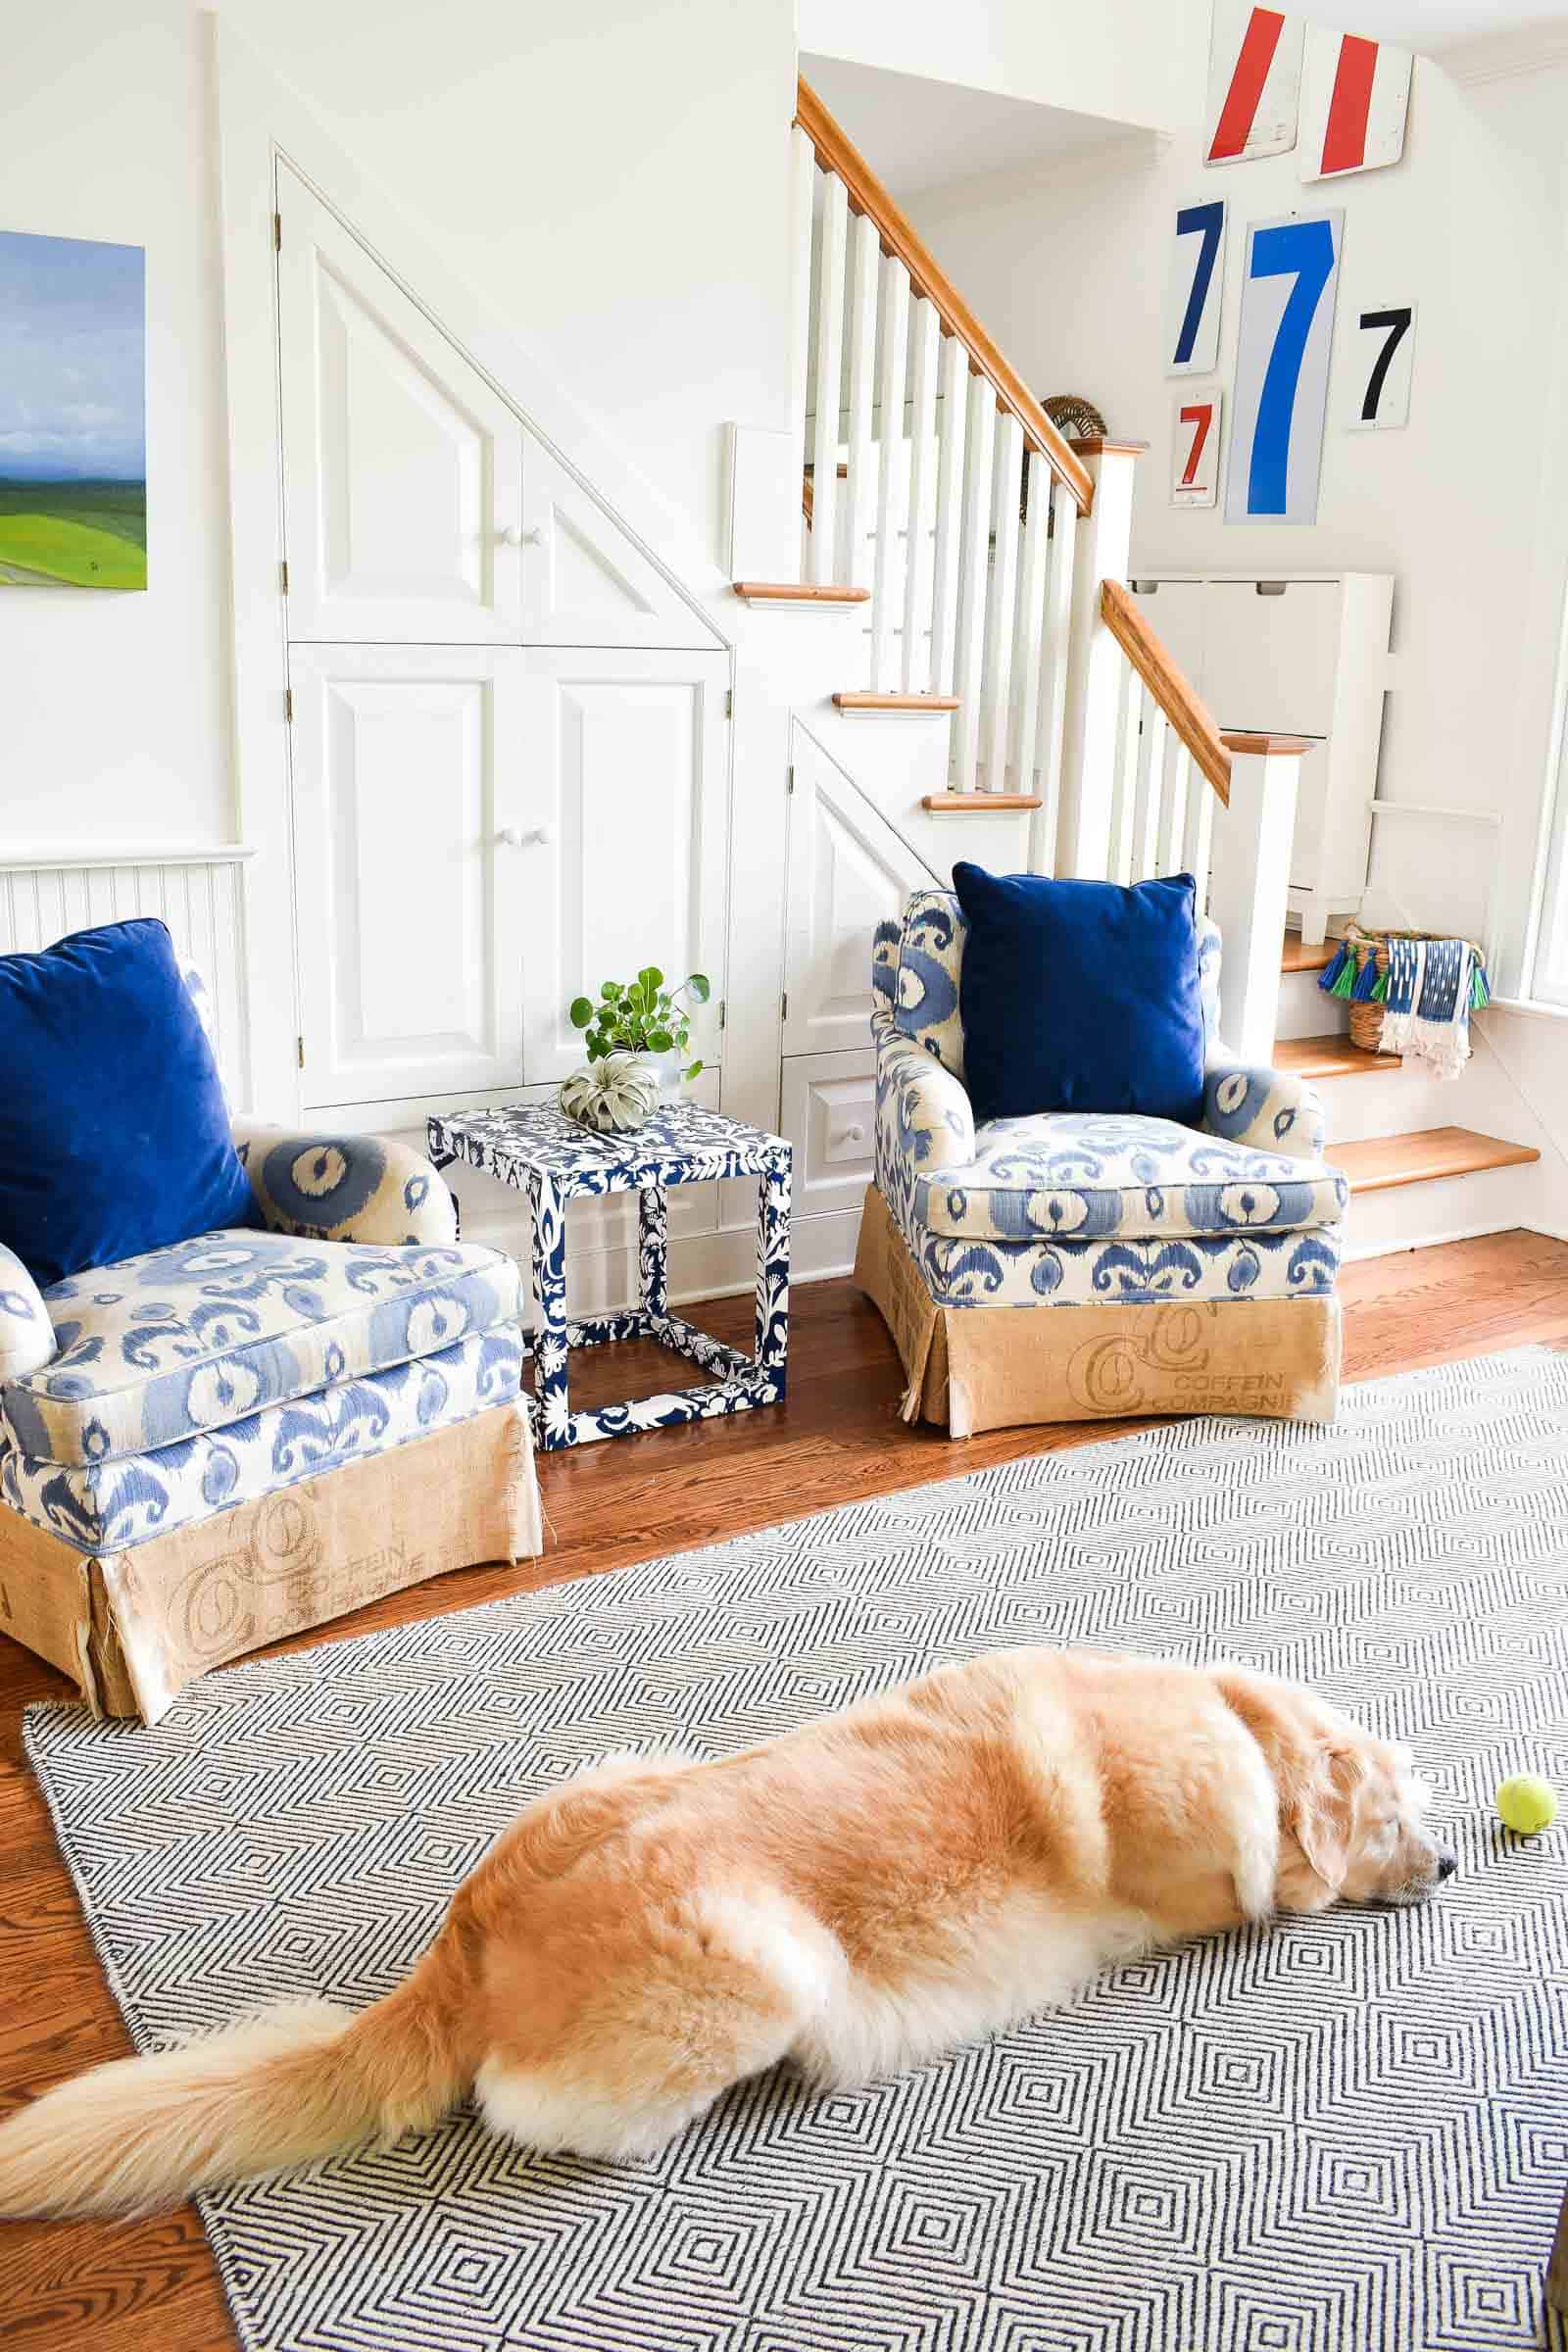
x,y
515,838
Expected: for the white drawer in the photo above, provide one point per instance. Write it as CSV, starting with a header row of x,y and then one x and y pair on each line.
x,y
1269,661
828,1111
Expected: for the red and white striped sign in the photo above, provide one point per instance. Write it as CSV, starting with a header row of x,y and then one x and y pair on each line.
x,y
1254,83
1355,95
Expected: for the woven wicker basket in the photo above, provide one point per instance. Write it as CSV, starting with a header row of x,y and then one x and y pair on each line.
x,y
1366,1019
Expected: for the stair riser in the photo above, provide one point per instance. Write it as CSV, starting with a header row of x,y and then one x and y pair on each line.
x,y
1305,1010
1374,1105
1448,1209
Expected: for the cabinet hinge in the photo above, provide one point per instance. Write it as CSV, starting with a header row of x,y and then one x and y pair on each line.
x,y
282,571
789,783
299,1050
278,233
784,1006
288,706
723,1011
729,702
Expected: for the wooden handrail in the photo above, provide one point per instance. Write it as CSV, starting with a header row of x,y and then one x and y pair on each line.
x,y
1194,727
867,195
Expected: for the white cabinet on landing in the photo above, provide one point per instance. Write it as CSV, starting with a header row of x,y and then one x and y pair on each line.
x,y
402,468
628,774
412,800
1303,654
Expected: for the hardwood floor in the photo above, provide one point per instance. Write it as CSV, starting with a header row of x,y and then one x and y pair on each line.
x,y
152,2288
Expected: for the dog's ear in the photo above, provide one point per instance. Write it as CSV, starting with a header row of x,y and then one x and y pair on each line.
x,y
1322,1810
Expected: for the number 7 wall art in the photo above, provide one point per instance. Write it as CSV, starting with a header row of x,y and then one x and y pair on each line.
x,y
1282,367
1192,295
1195,448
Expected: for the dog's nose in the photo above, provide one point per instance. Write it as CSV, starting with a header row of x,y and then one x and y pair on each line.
x,y
1448,1864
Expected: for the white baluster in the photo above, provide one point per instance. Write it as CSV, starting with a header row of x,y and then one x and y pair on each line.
x,y
974,578
954,442
1001,603
1029,638
926,343
1181,769
803,196
1201,854
1145,845
1129,760
891,495
1046,848
859,495
832,231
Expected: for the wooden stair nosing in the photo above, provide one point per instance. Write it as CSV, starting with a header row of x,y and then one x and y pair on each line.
x,y
1423,1155
918,706
1330,1057
798,592
1296,957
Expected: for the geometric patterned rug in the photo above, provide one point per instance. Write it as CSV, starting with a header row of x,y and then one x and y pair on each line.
x,y
1341,2132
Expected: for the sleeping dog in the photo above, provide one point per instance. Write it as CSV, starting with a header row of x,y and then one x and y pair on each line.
x,y
852,1896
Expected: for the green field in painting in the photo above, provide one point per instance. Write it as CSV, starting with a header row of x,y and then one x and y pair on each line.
x,y
76,534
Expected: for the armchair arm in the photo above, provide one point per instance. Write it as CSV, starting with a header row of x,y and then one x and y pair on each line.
x,y
27,1334
1267,1111
345,1188
924,1120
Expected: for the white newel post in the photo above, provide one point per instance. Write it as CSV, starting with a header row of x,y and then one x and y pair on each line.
x,y
1095,665
1249,880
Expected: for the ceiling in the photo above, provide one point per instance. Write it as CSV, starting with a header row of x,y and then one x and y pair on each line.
x,y
915,133
1434,25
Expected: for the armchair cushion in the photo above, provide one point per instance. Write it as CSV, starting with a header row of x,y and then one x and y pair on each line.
x,y
162,1347
1264,1110
114,1133
1073,1175
1079,996
27,1334
345,1188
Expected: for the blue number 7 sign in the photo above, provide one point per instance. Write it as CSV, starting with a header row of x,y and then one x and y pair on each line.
x,y
1192,296
1282,369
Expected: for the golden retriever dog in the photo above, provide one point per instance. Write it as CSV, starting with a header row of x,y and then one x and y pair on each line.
x,y
854,1896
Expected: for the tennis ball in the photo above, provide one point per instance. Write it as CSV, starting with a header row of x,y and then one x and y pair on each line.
x,y
1526,1803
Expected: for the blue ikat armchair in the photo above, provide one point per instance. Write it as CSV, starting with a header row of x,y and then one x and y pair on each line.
x,y
218,1442
1091,1217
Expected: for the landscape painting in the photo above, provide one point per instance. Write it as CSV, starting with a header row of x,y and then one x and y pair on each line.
x,y
72,414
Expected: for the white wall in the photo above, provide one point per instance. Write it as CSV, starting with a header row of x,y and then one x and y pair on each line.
x,y
1138,61
611,181
1069,274
114,727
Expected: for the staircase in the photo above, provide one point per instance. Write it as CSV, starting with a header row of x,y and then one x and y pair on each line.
x,y
986,686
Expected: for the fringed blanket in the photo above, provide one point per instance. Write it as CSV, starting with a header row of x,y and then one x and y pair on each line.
x,y
1428,993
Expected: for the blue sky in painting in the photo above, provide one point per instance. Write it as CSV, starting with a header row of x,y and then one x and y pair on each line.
x,y
73,395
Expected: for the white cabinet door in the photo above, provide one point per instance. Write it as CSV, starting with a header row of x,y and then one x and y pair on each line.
x,y
629,772
1270,659
847,871
402,468
586,582
1177,611
409,761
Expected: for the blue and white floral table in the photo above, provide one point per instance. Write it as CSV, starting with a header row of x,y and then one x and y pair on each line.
x,y
552,1160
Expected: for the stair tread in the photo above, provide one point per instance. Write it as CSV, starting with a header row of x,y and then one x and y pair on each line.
x,y
1297,956
1330,1057
1426,1152
798,592
896,702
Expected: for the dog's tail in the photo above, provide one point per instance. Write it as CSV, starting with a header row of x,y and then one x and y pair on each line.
x,y
289,2084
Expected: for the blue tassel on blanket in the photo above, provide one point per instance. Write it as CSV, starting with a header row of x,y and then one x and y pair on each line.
x,y
1328,977
1366,981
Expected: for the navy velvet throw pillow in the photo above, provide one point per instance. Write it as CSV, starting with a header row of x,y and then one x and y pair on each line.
x,y
1080,996
114,1132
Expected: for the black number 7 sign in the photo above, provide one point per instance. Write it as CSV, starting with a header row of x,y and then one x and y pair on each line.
x,y
1385,353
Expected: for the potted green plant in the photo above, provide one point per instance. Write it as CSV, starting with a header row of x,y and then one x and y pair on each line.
x,y
644,1020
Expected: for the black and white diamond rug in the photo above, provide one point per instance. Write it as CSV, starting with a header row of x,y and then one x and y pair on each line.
x,y
1350,2132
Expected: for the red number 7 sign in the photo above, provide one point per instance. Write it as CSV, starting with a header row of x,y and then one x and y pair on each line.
x,y
1194,451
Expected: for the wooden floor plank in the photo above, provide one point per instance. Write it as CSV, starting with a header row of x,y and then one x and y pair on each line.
x,y
152,2286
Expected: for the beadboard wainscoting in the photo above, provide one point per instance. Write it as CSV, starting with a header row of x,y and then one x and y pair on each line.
x,y
199,893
